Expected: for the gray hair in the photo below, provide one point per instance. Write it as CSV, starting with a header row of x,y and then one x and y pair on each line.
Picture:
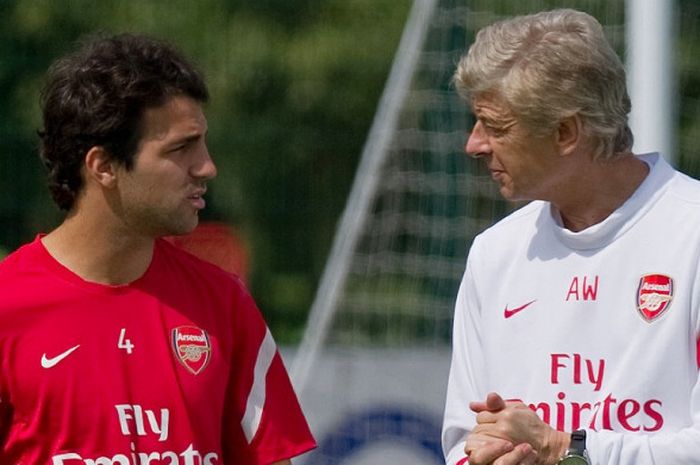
x,y
550,66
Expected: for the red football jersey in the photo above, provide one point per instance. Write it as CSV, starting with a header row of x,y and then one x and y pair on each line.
x,y
176,368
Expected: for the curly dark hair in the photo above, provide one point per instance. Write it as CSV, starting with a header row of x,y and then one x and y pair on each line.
x,y
97,95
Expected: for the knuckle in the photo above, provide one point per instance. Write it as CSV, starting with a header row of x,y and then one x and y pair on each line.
x,y
503,430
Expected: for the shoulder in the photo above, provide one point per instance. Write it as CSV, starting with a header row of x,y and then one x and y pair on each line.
x,y
508,238
22,273
685,189
19,262
671,183
202,289
516,225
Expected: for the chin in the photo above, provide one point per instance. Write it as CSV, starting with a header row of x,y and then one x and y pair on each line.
x,y
512,194
179,229
184,230
508,194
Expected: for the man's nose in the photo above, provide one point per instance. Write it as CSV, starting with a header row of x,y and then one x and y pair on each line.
x,y
477,143
205,168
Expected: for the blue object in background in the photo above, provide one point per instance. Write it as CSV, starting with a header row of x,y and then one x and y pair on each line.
x,y
378,424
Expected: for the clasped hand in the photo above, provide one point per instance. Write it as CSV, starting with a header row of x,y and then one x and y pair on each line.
x,y
510,433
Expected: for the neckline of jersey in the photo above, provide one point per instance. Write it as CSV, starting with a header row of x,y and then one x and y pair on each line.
x,y
66,274
634,208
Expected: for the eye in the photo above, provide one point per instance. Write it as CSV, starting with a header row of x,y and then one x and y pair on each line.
x,y
179,147
495,131
498,128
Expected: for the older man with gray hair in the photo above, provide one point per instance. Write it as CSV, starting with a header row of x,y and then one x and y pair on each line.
x,y
577,320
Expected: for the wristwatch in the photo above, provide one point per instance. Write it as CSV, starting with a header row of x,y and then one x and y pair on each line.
x,y
576,453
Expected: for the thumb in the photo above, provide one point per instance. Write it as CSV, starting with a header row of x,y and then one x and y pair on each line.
x,y
495,402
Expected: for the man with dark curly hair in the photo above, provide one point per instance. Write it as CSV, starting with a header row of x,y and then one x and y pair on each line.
x,y
115,346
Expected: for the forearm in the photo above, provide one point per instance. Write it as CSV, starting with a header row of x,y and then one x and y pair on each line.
x,y
465,381
554,448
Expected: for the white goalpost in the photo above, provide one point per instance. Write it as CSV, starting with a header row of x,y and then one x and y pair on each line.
x,y
363,190
651,77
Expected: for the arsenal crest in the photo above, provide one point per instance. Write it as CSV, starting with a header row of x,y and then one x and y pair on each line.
x,y
654,295
192,348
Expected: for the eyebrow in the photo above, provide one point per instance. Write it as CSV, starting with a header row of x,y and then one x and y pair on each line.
x,y
187,139
502,124
494,117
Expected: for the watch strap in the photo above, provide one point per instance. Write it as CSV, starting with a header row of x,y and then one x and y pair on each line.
x,y
578,442
576,453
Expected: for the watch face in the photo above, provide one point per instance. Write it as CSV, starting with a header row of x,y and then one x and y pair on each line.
x,y
574,460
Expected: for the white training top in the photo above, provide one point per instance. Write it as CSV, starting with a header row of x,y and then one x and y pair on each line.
x,y
596,329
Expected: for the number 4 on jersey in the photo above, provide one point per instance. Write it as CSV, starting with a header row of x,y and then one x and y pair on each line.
x,y
125,343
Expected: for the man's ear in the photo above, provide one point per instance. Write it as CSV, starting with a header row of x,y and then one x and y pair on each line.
x,y
569,134
100,167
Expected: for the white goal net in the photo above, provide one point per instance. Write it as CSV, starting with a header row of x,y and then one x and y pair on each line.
x,y
372,368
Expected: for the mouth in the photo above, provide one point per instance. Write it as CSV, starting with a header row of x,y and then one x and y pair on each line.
x,y
197,199
495,174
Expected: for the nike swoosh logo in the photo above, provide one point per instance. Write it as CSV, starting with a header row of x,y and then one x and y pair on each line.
x,y
509,312
51,362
